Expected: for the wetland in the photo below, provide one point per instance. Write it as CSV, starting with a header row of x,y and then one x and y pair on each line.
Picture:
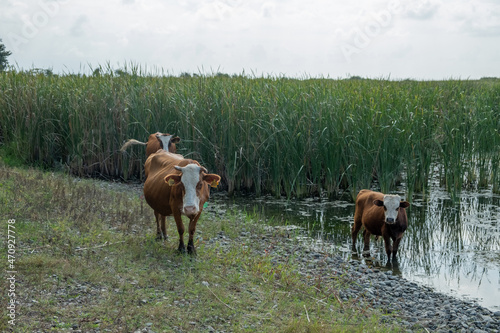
x,y
452,246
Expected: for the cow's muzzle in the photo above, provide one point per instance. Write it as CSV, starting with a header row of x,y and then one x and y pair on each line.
x,y
190,211
390,220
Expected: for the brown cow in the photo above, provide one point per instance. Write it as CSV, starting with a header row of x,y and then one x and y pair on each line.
x,y
155,141
175,187
380,215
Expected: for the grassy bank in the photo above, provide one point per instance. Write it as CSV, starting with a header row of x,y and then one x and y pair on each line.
x,y
86,259
264,135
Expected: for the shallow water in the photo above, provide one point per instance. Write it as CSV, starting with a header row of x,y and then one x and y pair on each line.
x,y
453,247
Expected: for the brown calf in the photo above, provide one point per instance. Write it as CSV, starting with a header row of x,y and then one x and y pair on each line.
x,y
380,215
175,187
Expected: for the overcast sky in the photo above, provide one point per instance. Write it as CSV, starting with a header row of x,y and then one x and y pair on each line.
x,y
417,39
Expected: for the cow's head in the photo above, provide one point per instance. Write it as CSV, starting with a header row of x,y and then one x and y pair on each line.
x,y
194,181
391,204
168,141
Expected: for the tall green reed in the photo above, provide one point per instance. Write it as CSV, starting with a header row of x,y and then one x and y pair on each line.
x,y
263,135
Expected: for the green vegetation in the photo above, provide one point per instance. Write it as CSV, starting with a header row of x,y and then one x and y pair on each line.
x,y
263,135
86,259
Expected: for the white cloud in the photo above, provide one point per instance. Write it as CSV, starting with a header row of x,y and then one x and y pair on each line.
x,y
422,9
419,39
79,26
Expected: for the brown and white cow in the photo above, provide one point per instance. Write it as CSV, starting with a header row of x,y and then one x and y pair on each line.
x,y
155,141
380,215
174,187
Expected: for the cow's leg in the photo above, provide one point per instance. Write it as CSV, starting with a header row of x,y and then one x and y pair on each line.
x,y
161,232
163,227
192,230
355,229
366,239
388,247
395,246
158,226
180,230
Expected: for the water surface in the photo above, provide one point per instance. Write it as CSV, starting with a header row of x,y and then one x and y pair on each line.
x,y
453,247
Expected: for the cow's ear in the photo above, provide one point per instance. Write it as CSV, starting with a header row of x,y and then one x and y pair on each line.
x,y
175,139
404,204
212,179
172,179
379,203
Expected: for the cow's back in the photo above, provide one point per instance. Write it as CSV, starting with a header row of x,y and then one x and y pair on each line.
x,y
162,160
365,198
372,217
157,192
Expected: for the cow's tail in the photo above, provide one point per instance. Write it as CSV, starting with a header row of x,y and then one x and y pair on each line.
x,y
132,142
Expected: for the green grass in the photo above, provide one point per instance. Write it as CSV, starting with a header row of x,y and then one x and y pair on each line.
x,y
86,258
263,135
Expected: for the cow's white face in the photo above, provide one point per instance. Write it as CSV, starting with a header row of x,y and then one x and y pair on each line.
x,y
165,140
392,204
191,180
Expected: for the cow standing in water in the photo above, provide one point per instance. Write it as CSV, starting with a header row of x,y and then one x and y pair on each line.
x,y
380,215
155,141
176,186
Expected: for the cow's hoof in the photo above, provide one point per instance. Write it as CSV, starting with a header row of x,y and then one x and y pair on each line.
x,y
191,250
181,249
160,237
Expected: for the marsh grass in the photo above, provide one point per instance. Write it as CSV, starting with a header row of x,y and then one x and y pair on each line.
x,y
86,259
263,135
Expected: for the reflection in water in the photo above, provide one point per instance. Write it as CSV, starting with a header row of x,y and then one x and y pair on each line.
x,y
456,247
452,247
